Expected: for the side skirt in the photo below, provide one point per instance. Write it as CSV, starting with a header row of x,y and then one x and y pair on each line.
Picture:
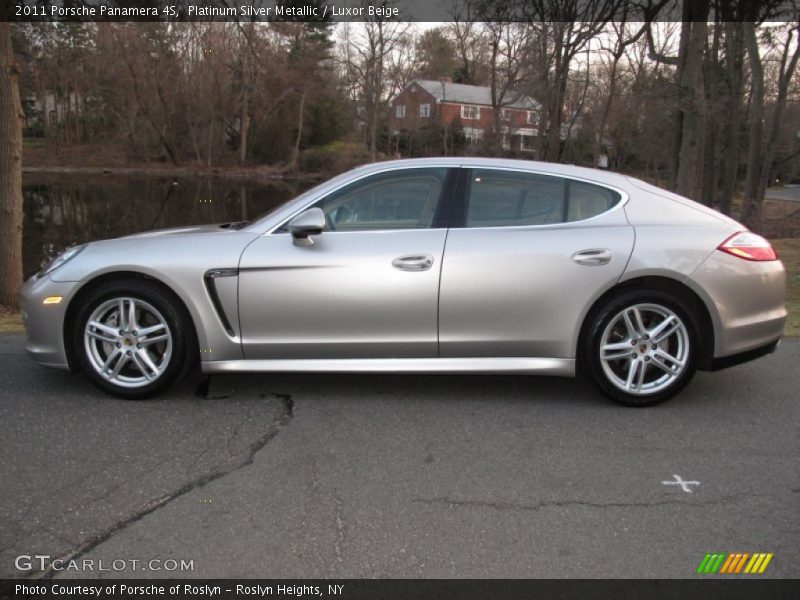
x,y
562,367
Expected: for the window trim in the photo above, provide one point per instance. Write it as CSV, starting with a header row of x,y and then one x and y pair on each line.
x,y
400,108
459,214
427,114
441,218
459,169
477,108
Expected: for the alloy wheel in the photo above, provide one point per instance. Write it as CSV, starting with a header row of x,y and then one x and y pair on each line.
x,y
128,342
644,349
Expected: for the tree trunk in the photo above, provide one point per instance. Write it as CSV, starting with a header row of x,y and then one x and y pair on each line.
x,y
373,134
751,207
244,123
731,142
708,186
559,88
601,128
691,104
11,118
296,149
247,69
784,77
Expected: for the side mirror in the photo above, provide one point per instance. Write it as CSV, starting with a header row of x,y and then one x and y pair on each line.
x,y
307,223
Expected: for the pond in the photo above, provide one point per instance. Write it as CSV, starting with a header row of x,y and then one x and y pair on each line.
x,y
65,210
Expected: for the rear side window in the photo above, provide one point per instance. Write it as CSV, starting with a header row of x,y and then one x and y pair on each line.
x,y
497,198
587,200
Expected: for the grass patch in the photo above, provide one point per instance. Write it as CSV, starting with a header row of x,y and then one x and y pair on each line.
x,y
11,322
32,143
789,252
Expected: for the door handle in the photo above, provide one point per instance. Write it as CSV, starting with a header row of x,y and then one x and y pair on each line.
x,y
413,262
593,257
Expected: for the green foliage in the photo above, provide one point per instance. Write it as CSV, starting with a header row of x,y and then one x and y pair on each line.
x,y
327,120
436,55
432,140
333,158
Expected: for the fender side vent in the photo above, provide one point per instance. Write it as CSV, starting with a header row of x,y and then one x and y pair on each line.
x,y
211,287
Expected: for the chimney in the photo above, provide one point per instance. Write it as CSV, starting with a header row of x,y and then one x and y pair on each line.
x,y
446,80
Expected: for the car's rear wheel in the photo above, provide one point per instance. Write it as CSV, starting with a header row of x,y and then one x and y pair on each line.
x,y
641,347
133,338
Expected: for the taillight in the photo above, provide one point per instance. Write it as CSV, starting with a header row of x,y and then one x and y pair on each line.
x,y
749,246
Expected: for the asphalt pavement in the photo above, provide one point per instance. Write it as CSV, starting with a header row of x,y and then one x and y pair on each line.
x,y
287,476
787,192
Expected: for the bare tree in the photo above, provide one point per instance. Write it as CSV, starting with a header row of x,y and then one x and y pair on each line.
x,y
470,44
377,62
688,153
760,154
623,37
509,52
11,119
569,25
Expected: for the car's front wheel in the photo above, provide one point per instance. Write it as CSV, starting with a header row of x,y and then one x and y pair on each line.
x,y
641,347
133,339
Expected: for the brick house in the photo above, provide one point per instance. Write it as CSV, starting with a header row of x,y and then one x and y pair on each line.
x,y
423,102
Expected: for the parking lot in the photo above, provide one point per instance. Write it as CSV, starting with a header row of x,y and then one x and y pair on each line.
x,y
400,476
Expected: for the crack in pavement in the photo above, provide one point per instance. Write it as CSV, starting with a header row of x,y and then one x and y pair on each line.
x,y
279,423
500,505
340,525
125,481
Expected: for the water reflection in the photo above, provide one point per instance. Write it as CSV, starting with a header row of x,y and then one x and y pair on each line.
x,y
61,211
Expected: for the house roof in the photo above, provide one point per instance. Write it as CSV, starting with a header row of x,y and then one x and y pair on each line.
x,y
445,91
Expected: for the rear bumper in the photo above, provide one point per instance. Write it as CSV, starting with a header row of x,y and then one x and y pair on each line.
x,y
746,304
742,357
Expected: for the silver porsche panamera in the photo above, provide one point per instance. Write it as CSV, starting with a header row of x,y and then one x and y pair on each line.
x,y
424,266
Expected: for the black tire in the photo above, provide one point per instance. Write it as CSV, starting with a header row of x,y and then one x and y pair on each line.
x,y
183,353
591,365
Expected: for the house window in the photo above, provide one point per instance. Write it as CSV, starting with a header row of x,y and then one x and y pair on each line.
x,y
533,117
507,115
400,111
526,143
470,112
425,110
473,135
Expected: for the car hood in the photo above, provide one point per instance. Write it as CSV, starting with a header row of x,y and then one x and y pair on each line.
x,y
215,228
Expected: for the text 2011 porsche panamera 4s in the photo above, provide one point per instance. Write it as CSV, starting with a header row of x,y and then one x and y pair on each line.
x,y
424,266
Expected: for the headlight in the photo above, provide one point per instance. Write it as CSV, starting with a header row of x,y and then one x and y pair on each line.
x,y
62,259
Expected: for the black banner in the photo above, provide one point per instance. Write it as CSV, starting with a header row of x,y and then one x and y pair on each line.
x,y
382,10
390,589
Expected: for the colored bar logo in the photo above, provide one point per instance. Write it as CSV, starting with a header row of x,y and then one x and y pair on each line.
x,y
735,562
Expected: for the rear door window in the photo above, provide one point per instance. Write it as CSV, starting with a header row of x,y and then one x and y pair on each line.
x,y
498,198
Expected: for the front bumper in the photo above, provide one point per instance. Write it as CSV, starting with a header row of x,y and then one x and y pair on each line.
x,y
44,323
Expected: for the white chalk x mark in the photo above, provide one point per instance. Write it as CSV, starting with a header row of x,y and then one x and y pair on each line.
x,y
684,484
